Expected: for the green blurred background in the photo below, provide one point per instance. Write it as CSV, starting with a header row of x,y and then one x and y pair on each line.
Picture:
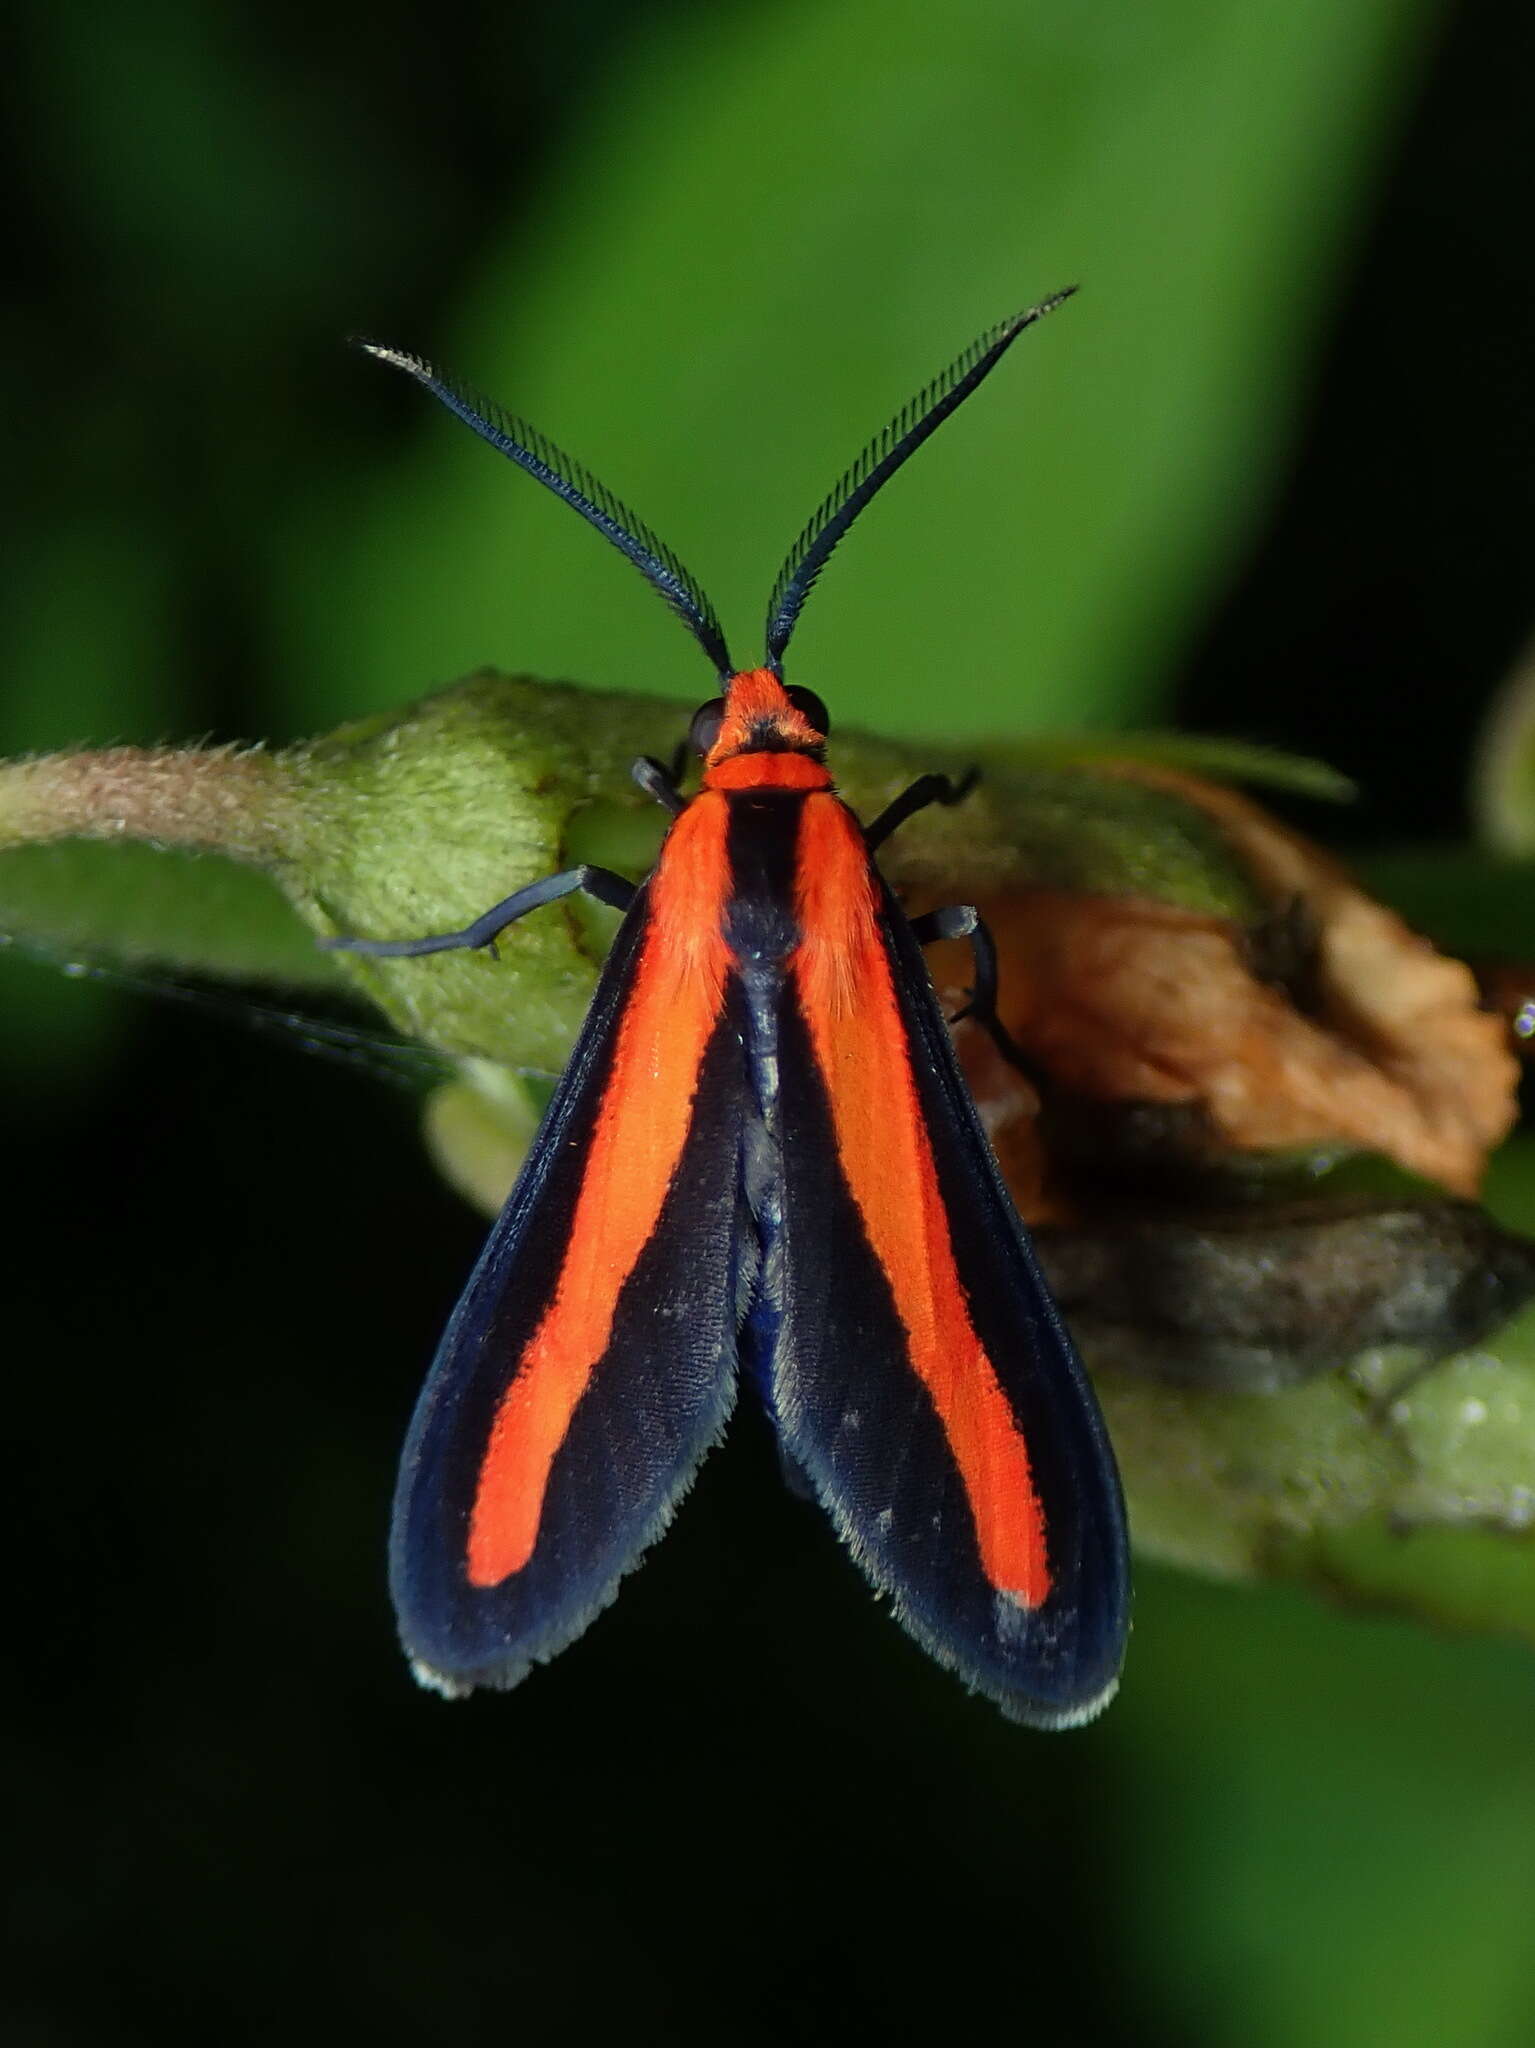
x,y
1271,474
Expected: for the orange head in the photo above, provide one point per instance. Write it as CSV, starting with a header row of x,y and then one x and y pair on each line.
x,y
761,733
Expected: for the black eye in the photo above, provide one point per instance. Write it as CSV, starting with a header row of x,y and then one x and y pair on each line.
x,y
810,708
705,729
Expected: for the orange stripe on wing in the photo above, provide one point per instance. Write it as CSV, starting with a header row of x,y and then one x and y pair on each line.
x,y
635,1145
844,980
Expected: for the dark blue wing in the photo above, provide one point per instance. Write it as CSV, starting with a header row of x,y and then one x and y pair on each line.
x,y
655,1401
859,1422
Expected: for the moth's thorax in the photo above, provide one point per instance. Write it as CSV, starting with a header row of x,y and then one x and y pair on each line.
x,y
782,872
769,771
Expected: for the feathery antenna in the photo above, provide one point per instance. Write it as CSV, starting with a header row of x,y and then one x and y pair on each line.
x,y
570,480
917,419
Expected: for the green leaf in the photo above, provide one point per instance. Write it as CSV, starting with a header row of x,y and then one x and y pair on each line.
x,y
1334,1834
413,822
1477,904
1503,772
1238,761
1425,1502
759,243
146,906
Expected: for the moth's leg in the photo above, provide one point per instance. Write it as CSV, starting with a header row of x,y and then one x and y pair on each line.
x,y
964,921
662,783
927,789
600,883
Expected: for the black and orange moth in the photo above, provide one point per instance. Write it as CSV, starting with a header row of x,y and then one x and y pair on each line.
x,y
762,1156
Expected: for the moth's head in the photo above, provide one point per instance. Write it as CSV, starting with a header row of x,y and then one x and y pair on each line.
x,y
759,715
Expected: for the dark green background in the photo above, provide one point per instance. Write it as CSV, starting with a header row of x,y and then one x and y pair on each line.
x,y
1272,474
